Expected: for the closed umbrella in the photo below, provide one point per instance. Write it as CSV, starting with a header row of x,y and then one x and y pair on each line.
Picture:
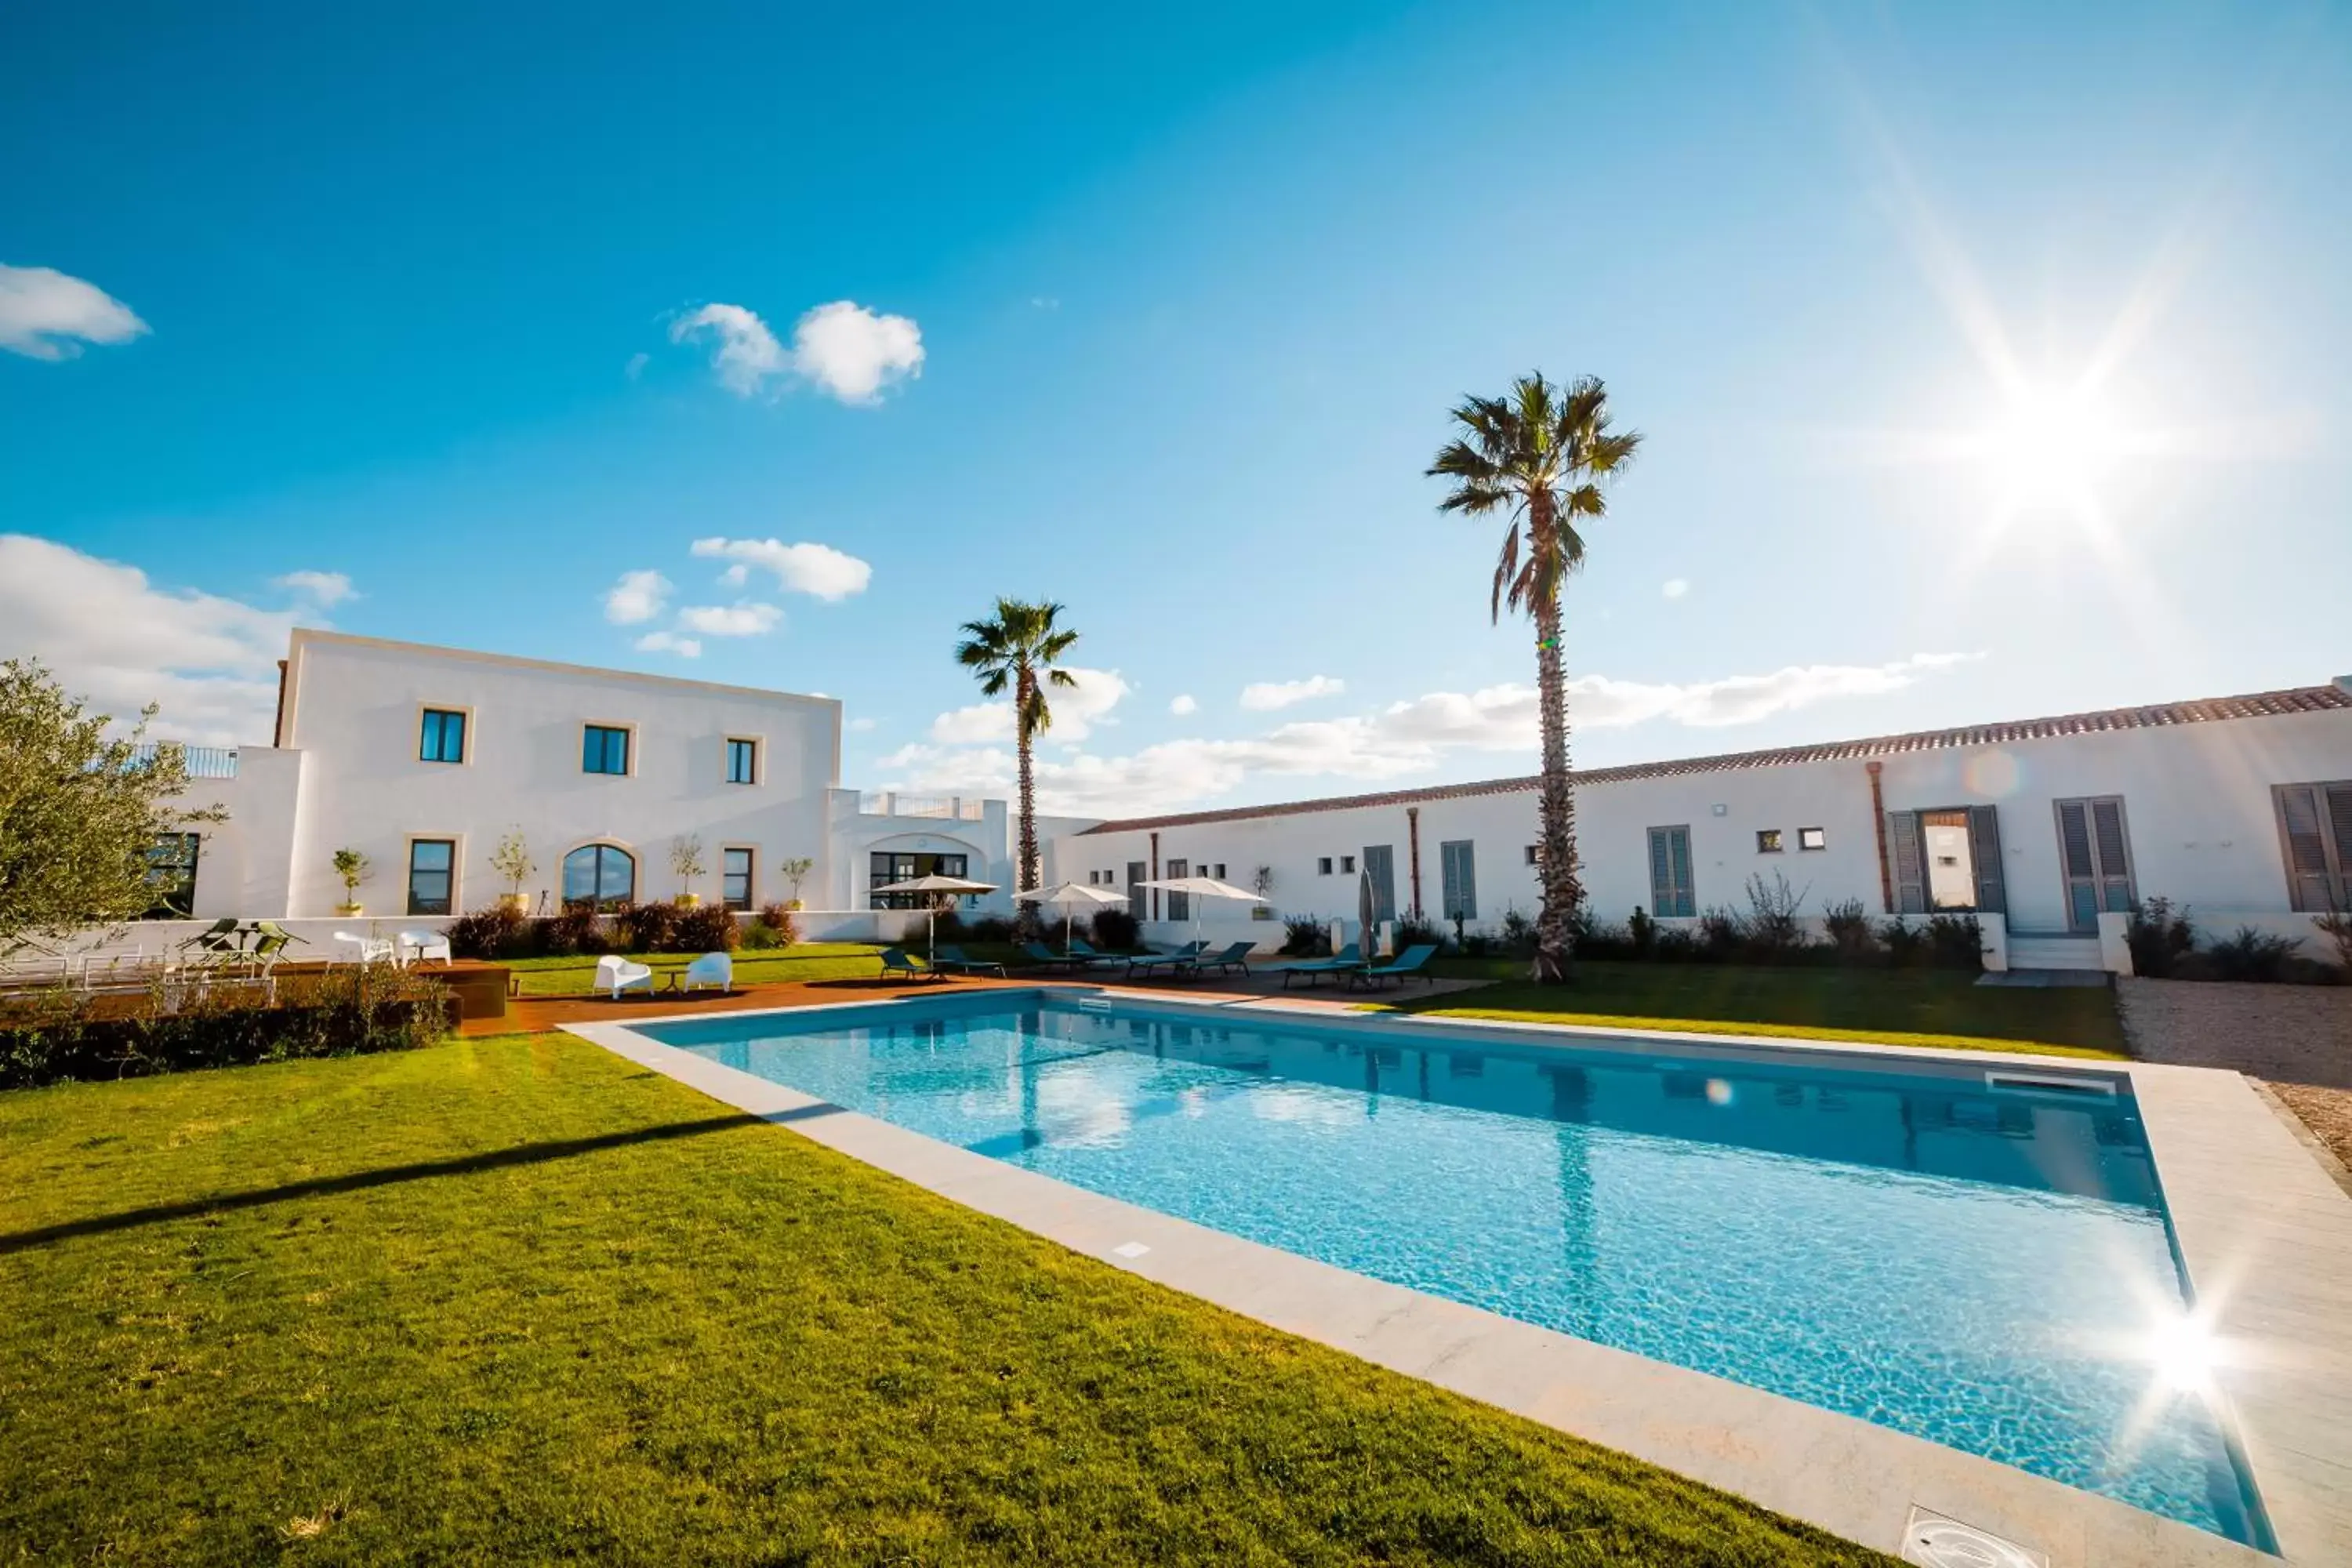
x,y
1365,908
1069,896
934,884
1204,888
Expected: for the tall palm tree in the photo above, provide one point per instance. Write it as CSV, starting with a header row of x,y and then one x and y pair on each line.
x,y
1022,647
1540,455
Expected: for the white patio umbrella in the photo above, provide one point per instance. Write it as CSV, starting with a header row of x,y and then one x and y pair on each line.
x,y
1069,896
934,884
1367,949
1204,888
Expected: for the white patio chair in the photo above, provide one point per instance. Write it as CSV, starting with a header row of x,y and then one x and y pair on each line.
x,y
616,975
416,945
367,950
710,969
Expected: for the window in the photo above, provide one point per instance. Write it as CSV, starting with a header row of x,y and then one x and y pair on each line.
x,y
1458,873
735,879
1671,895
1812,838
1347,865
743,761
432,875
1323,866
445,736
602,876
1534,854
1768,841
2315,837
883,868
1179,905
605,749
1218,871
172,873
2095,853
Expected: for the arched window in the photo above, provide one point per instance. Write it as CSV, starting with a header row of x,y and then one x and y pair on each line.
x,y
604,874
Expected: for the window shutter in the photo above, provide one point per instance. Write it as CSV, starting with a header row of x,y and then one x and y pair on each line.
x,y
1685,892
1461,878
1910,863
2308,886
1670,872
2339,822
2115,855
1984,848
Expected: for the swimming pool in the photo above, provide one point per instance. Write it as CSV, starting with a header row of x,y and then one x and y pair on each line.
x,y
1977,1261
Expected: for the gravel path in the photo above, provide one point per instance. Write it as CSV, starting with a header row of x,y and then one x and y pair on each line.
x,y
2297,1038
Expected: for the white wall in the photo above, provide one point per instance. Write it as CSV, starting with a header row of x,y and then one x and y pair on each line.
x,y
355,707
2196,797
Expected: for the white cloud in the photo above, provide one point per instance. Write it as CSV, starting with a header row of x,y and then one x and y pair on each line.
x,y
669,642
817,569
1674,587
739,620
1183,705
1401,740
1075,710
322,588
748,354
110,635
862,724
843,349
1264,696
638,597
47,314
636,365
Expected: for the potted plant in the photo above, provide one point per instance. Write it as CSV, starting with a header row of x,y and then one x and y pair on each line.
x,y
511,860
685,860
352,868
794,871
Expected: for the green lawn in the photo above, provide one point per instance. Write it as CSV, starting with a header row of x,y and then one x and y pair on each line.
x,y
518,1301
1896,1006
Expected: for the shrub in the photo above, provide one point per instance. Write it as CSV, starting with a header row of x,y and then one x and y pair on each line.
x,y
2160,937
1849,931
1720,937
2336,926
645,928
576,929
1955,941
65,1036
497,931
1642,933
777,916
987,928
705,928
1769,931
1303,936
760,937
1678,944
1518,933
1906,944
1117,930
779,926
2248,954
1420,931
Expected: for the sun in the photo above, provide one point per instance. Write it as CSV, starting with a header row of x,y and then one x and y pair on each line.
x,y
2051,448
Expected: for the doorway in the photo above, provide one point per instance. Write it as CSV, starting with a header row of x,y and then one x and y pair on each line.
x,y
1951,863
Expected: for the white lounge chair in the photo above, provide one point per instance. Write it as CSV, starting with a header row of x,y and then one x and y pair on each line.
x,y
367,950
422,944
710,969
616,975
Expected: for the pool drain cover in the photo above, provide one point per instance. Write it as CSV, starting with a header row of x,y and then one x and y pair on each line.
x,y
1932,1540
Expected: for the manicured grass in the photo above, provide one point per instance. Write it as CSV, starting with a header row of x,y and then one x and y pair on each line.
x,y
514,1301
1883,1006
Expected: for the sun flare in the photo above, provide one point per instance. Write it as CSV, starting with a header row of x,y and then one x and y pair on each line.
x,y
2052,447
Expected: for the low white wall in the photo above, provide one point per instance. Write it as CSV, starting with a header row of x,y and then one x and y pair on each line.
x,y
1265,936
894,926
155,939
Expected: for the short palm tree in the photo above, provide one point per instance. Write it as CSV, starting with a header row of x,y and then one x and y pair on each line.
x,y
1540,454
1022,648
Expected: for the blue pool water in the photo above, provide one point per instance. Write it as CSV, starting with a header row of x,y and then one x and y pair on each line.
x,y
1978,1266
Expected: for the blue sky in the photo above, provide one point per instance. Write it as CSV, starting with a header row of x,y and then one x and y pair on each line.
x,y
462,324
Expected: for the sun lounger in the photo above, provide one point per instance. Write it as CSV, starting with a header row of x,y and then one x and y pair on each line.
x,y
1345,959
952,959
1235,955
895,961
1044,957
1412,961
1175,962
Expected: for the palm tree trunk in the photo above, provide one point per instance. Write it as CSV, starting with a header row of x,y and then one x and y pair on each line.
x,y
1026,926
1563,891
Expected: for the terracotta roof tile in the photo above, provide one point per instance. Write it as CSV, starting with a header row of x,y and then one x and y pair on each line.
x,y
2161,715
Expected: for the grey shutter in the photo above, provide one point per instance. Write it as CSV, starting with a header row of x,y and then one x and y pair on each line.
x,y
2339,821
1670,873
2115,855
1469,878
1686,891
1138,899
2081,869
1179,905
2310,888
1661,872
1461,878
1910,863
1379,860
1984,849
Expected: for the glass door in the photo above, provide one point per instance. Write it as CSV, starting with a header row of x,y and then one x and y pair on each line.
x,y
2095,853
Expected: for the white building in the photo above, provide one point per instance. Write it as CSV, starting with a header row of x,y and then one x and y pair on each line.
x,y
422,759
2240,807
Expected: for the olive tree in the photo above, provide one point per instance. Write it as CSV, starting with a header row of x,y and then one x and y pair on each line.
x,y
80,812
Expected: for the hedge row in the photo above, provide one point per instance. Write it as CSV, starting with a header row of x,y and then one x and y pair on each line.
x,y
60,1038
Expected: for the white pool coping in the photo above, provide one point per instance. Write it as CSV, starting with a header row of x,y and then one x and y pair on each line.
x,y
2264,1234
